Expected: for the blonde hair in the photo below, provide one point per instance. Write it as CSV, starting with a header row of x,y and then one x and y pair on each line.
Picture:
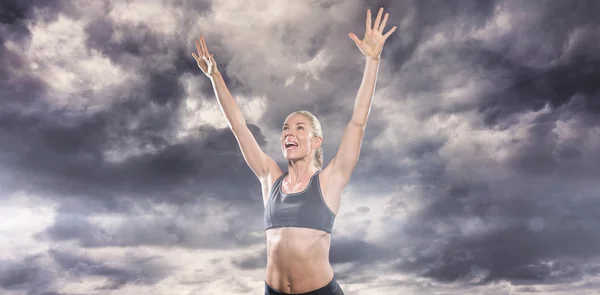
x,y
316,131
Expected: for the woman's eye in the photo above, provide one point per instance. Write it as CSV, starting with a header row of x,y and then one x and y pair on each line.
x,y
301,128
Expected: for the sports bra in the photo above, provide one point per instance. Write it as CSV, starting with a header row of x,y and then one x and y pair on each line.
x,y
303,209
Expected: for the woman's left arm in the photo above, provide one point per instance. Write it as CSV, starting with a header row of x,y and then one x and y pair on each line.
x,y
342,165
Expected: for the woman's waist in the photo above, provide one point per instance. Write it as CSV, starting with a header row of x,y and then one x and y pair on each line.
x,y
298,277
297,267
298,259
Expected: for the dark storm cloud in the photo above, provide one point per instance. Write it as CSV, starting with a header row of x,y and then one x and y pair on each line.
x,y
140,49
524,239
426,19
28,275
543,154
18,12
533,89
67,227
547,61
68,159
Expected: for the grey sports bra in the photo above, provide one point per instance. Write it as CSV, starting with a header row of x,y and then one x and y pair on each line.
x,y
304,209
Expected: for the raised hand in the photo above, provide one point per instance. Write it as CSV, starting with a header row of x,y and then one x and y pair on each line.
x,y
205,60
372,45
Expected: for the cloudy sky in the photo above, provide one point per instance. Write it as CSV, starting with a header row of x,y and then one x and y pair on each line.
x,y
478,174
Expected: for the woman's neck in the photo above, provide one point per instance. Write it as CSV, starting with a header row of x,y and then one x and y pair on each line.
x,y
300,171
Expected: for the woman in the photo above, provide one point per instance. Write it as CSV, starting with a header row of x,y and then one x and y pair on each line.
x,y
301,205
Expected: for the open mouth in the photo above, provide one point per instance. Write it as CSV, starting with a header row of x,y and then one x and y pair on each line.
x,y
290,145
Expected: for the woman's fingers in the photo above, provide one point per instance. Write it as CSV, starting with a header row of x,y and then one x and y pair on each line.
x,y
354,38
385,18
204,46
389,33
368,20
378,19
199,48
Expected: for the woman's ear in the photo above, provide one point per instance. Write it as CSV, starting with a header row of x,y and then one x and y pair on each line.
x,y
316,142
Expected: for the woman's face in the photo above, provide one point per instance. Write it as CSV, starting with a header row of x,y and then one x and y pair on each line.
x,y
296,137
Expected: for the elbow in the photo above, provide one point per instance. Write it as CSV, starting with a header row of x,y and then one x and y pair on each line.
x,y
359,118
358,123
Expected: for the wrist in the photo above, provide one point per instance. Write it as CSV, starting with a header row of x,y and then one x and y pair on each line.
x,y
214,75
373,59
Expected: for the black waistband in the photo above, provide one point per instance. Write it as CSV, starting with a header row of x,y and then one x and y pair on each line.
x,y
332,288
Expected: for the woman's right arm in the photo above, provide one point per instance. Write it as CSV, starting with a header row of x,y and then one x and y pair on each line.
x,y
256,159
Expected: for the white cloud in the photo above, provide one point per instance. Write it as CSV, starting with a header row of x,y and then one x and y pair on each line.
x,y
196,111
78,77
158,15
21,217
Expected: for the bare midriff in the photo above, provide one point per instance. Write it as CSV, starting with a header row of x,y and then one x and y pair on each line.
x,y
298,259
